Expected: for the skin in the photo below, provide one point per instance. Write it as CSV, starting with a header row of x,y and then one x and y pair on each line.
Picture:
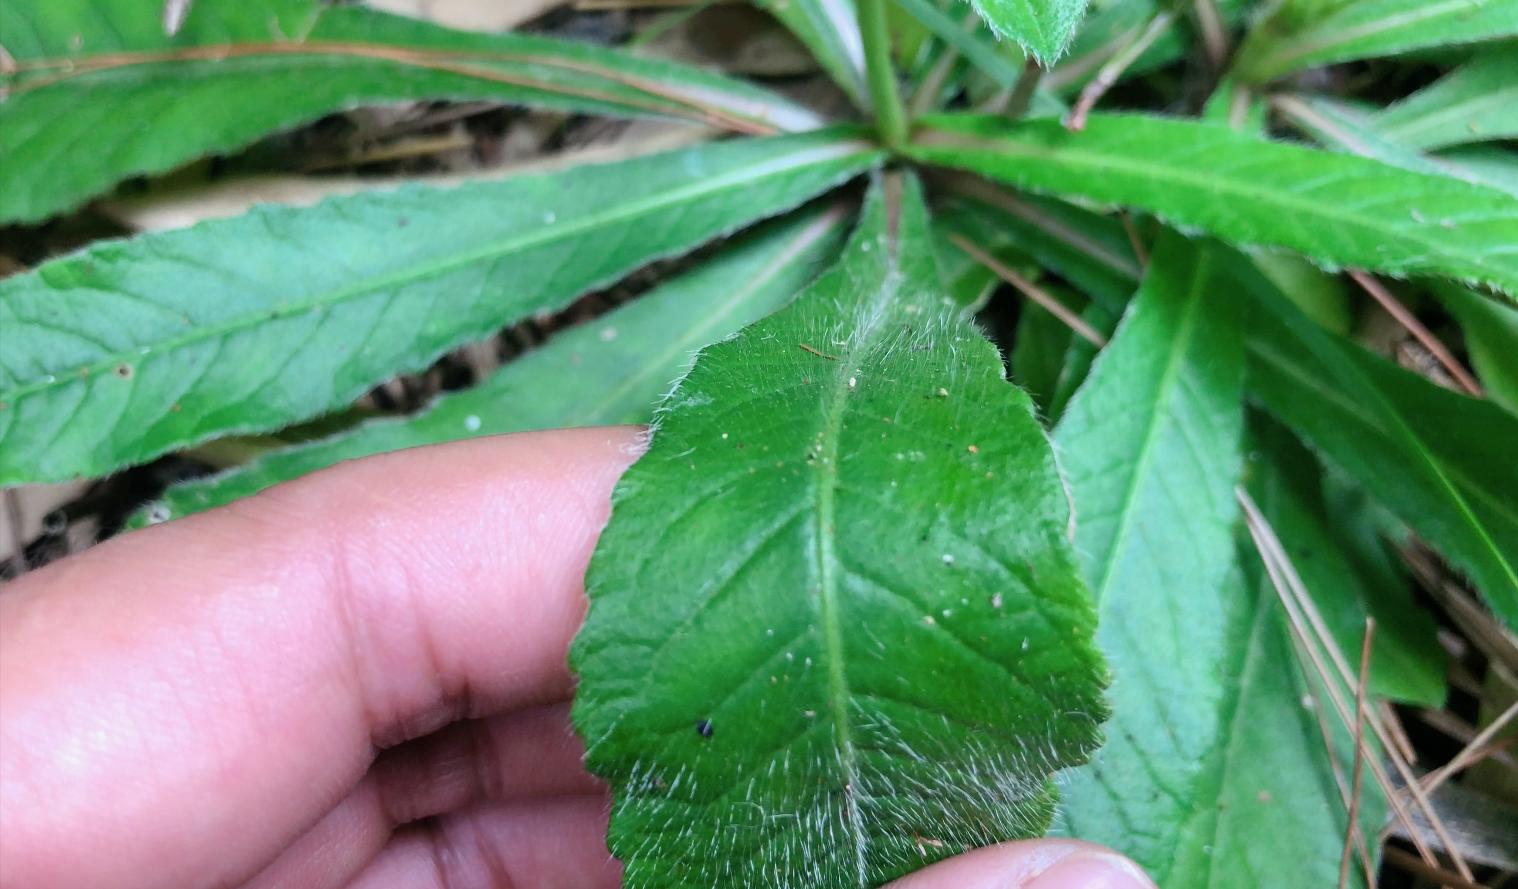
x,y
352,680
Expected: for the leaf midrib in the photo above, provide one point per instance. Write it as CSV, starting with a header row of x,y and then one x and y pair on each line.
x,y
513,243
1166,391
1254,649
846,368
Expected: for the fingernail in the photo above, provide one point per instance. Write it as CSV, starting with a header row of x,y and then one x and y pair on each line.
x,y
1091,870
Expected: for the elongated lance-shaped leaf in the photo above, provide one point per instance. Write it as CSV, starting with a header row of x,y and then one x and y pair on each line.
x,y
1336,124
1268,810
830,29
1441,461
129,349
1493,165
1042,27
105,74
607,372
1477,102
836,629
1303,35
1335,209
1330,534
1151,446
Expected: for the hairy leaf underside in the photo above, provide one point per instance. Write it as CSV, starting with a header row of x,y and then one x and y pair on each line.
x,y
1043,27
837,631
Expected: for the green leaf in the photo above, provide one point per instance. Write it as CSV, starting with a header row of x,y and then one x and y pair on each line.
x,y
1335,549
1043,27
1039,349
969,43
1334,208
1111,27
129,349
1088,250
1490,164
1305,35
1079,357
1491,338
106,74
830,29
1268,813
1441,461
1151,446
965,279
1477,102
836,629
1339,125
1325,298
606,372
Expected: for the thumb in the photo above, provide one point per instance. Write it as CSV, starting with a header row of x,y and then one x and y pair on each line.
x,y
1031,864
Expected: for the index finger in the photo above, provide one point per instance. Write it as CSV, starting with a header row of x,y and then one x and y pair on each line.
x,y
183,701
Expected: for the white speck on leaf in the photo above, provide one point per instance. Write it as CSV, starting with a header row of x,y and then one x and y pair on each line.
x,y
472,423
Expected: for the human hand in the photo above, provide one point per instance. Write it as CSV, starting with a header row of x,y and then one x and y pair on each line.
x,y
354,680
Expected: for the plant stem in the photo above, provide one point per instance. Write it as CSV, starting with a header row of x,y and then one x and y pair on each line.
x,y
890,118
1111,72
1027,85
